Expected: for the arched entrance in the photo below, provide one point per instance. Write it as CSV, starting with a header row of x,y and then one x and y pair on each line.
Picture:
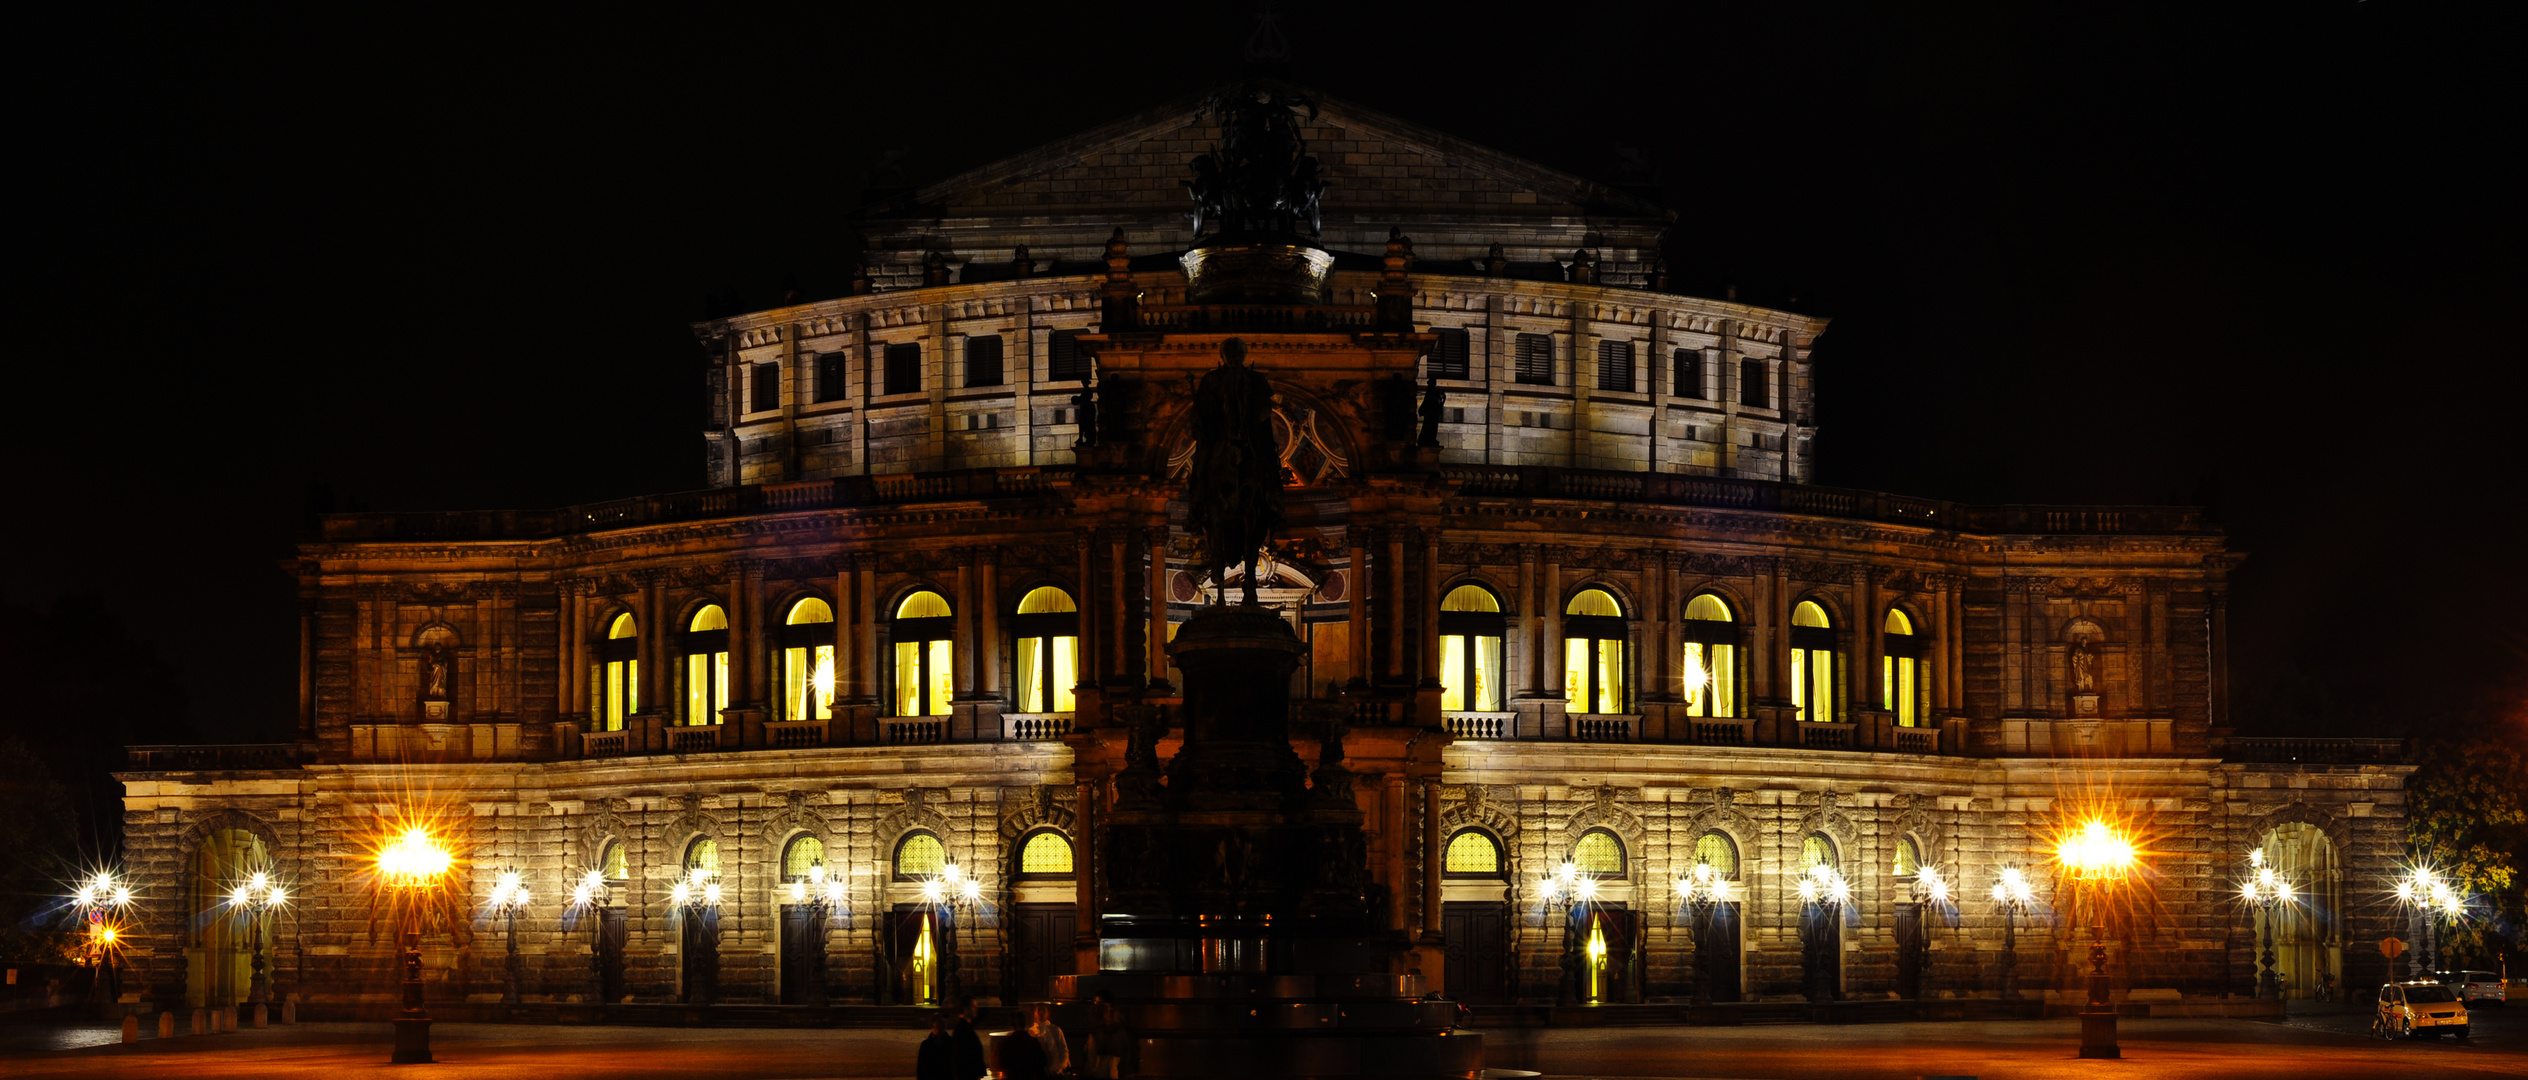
x,y
2308,932
219,957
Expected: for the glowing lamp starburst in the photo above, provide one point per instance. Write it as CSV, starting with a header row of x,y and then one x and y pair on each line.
x,y
413,860
2096,852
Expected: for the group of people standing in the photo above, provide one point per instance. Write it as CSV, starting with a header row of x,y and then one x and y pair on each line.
x,y
1042,1052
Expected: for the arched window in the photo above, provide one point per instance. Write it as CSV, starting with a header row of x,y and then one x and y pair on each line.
x,y
611,862
1599,853
1908,858
807,661
1716,848
919,855
1710,670
706,667
222,972
702,859
1901,670
1472,853
802,858
1593,634
615,679
1817,850
1044,854
1045,664
1812,663
1471,629
924,633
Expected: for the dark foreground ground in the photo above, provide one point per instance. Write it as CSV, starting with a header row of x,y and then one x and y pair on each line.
x,y
2330,1044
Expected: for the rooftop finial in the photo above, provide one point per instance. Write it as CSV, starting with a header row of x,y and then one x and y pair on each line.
x,y
1267,51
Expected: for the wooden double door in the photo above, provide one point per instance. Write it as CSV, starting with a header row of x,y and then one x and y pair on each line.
x,y
1043,944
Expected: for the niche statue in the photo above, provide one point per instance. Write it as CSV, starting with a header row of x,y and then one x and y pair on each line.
x,y
1233,496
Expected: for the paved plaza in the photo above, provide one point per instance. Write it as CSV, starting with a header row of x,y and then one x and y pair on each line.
x,y
2324,1045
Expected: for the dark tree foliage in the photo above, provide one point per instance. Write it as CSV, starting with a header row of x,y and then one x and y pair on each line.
x,y
38,831
2467,807
81,688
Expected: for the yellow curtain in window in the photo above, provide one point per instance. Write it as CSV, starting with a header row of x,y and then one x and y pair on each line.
x,y
941,672
1724,672
908,678
1575,674
1821,683
698,688
1488,674
1696,678
1066,669
1452,671
1030,675
1799,685
1610,676
1898,682
719,684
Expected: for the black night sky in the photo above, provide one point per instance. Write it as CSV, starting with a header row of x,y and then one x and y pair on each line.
x,y
2115,254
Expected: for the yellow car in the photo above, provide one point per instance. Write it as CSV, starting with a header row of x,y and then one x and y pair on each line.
x,y
2419,1008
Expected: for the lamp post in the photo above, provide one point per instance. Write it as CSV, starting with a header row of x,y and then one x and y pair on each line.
x,y
2425,892
251,901
1824,890
824,897
2099,859
509,897
588,901
2014,896
698,897
1931,895
1565,888
1703,891
411,867
98,901
960,894
2265,891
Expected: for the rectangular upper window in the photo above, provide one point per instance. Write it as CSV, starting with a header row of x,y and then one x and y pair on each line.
x,y
1615,366
830,371
983,360
1536,359
1689,365
1064,360
767,388
904,368
1755,389
1449,357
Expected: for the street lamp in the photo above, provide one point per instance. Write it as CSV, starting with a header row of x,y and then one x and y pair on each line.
x,y
2424,891
2014,896
1824,889
1931,895
697,896
411,866
509,897
960,894
252,901
2265,891
1704,891
824,897
1566,888
98,901
588,900
2098,859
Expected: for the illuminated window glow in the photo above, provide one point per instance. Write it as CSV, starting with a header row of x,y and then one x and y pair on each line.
x,y
1812,663
1473,852
1471,632
1045,853
803,853
1593,654
1598,852
920,855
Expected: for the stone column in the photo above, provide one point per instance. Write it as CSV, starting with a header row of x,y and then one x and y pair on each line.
x,y
1396,619
1155,540
987,618
1084,876
1531,621
1935,661
1659,624
738,610
1430,607
1119,650
654,638
1553,646
965,623
864,674
1867,624
575,652
306,666
843,615
1432,859
2217,603
1092,639
1358,594
1778,635
1391,829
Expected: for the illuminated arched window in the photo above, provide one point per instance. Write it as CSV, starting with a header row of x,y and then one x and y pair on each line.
x,y
802,858
1908,858
1599,853
1812,663
1900,671
1593,634
702,858
1817,850
611,862
1715,847
924,633
614,683
1472,853
1045,661
807,661
1709,673
1471,631
1045,854
706,667
919,855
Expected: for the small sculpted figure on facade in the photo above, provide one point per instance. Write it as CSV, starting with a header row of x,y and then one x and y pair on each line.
x,y
1085,404
2085,666
1434,406
1260,177
1233,495
434,674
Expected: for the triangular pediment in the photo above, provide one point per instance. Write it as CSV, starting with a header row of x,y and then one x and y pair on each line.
x,y
1378,167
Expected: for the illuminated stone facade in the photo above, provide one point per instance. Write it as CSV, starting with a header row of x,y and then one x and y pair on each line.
x,y
651,672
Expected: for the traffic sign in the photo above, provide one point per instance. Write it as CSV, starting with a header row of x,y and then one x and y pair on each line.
x,y
2391,948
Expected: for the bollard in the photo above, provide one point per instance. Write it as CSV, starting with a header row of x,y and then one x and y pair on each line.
x,y
131,1028
197,1021
227,1019
261,1020
166,1025
289,1010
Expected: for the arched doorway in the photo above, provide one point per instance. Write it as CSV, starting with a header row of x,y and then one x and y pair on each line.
x,y
2308,932
219,959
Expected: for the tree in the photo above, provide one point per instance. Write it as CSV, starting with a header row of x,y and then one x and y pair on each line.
x,y
2467,819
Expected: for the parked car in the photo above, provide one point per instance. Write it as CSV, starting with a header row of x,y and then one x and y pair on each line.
x,y
2474,986
2418,1008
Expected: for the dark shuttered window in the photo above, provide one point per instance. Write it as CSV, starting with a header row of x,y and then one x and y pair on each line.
x,y
1536,359
767,388
1615,366
1449,357
1755,391
983,360
904,369
830,371
1064,361
1689,365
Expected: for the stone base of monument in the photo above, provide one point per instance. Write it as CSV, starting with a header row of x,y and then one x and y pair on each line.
x,y
1238,935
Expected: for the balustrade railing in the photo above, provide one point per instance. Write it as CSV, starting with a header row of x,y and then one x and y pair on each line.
x,y
1917,740
1479,725
605,743
1827,736
693,740
1721,732
2317,751
1034,727
904,732
219,756
794,734
1598,727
